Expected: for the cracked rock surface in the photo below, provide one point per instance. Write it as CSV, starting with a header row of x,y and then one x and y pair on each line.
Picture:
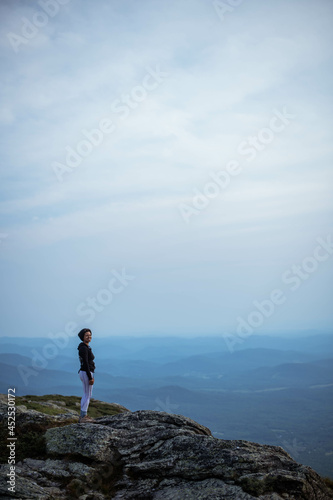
x,y
153,455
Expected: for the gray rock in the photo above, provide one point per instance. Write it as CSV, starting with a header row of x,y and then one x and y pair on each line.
x,y
58,403
26,488
57,469
26,417
151,455
84,440
175,489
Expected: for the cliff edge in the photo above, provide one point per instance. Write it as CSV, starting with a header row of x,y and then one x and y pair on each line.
x,y
147,455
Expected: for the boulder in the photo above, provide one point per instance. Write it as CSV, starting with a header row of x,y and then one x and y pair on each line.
x,y
152,455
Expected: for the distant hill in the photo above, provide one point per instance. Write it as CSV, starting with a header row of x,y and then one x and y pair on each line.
x,y
270,391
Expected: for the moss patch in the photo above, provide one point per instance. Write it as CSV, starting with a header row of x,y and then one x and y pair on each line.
x,y
96,408
32,403
30,436
47,410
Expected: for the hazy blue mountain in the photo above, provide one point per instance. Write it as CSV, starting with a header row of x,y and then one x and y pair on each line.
x,y
217,364
168,349
269,390
14,359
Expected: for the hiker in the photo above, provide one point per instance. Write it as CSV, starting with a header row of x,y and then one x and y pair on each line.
x,y
86,372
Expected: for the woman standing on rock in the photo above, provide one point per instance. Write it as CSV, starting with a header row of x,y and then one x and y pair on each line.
x,y
86,372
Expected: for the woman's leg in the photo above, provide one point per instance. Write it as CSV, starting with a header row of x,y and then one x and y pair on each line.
x,y
87,391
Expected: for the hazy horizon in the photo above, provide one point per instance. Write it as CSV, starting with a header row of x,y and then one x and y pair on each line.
x,y
161,335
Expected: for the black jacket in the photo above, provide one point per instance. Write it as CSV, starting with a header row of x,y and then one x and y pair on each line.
x,y
86,359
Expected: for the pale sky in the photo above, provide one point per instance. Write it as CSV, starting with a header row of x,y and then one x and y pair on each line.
x,y
117,118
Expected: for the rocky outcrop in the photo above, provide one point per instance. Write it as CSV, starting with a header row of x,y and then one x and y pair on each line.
x,y
153,455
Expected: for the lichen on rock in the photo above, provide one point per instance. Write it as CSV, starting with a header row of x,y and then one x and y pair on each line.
x,y
150,455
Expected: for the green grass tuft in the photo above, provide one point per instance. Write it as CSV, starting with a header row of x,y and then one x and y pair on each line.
x,y
96,408
30,435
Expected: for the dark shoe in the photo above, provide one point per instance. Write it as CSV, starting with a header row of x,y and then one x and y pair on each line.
x,y
86,419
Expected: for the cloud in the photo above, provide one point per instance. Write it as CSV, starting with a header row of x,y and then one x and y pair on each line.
x,y
224,79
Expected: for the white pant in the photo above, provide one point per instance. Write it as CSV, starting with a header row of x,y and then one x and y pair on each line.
x,y
87,390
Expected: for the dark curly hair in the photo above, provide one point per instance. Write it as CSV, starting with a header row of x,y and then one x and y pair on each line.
x,y
82,332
